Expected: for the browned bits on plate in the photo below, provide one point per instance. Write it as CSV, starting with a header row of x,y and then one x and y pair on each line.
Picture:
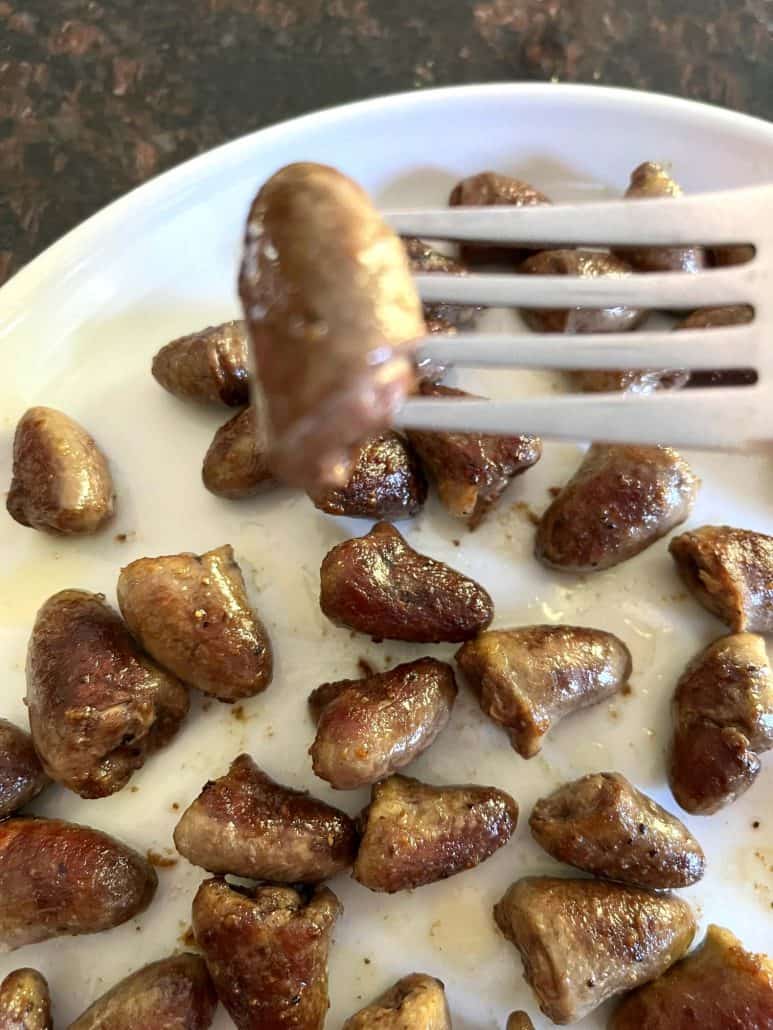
x,y
266,950
58,878
246,824
488,189
415,1002
414,833
377,584
209,365
61,481
97,705
175,993
236,464
718,987
528,679
730,572
25,1001
370,727
21,775
333,317
620,501
603,825
583,941
723,721
192,614
472,470
386,482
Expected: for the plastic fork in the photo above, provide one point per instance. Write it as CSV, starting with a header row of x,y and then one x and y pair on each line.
x,y
722,417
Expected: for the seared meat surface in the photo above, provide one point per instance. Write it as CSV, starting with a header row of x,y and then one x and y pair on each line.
x,y
377,584
21,774
209,365
97,705
246,824
723,721
603,825
25,1001
370,727
424,260
583,941
415,834
266,950
519,1021
620,501
716,318
488,189
236,464
529,679
416,1002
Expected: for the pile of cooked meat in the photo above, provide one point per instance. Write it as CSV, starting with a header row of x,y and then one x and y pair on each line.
x,y
331,331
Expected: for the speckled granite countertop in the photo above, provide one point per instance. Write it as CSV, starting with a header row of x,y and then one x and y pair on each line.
x,y
96,97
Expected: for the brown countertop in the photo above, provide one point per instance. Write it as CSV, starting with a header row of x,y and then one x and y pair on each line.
x,y
96,97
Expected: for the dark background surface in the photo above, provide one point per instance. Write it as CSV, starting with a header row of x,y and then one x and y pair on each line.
x,y
97,97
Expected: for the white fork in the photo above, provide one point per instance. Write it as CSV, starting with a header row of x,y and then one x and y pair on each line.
x,y
715,417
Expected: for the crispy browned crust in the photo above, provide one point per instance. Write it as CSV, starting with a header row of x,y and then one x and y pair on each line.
x,y
208,365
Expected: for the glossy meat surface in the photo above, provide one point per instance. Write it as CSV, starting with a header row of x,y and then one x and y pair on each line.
x,y
488,189
377,584
174,993
583,941
25,1001
61,480
97,705
236,464
192,614
370,727
415,1002
720,986
58,878
519,1021
386,482
603,825
414,833
620,501
716,318
723,721
471,470
730,572
424,260
209,365
528,679
247,825
266,951
21,775
333,317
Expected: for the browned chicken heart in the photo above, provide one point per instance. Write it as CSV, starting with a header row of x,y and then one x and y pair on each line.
x,y
236,464
416,1002
25,1001
21,775
488,189
425,260
209,365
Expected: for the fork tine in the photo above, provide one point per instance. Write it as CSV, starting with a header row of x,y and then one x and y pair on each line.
x,y
732,347
678,418
709,218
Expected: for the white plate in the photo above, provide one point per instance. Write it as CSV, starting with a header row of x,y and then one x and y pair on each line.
x,y
79,327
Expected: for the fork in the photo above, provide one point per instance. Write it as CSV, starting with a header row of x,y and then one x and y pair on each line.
x,y
721,417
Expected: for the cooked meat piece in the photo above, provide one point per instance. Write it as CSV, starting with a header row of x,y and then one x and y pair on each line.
x,y
414,833
192,614
583,941
602,824
386,482
620,501
585,264
487,189
424,260
370,727
416,1002
631,380
61,481
529,679
651,180
734,254
210,365
333,318
472,470
723,720
97,706
21,774
59,878
720,986
236,464
519,1021
25,1002
730,572
247,825
716,318
377,584
175,993
266,950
